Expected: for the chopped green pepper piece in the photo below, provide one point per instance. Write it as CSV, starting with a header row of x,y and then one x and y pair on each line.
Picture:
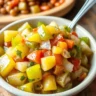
x,y
43,32
85,39
40,23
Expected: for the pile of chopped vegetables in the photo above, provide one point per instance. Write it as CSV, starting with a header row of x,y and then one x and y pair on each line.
x,y
45,59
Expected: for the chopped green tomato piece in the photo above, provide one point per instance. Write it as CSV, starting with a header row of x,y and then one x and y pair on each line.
x,y
49,83
48,62
40,23
1,51
21,66
16,40
17,79
1,39
34,38
35,9
25,26
52,29
21,50
85,39
34,73
43,32
6,65
9,34
27,87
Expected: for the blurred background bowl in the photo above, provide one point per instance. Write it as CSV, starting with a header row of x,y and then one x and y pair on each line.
x,y
56,11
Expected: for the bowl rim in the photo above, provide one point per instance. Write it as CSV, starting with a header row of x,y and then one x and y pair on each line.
x,y
72,91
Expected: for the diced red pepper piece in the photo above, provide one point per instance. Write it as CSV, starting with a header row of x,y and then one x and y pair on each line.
x,y
76,62
59,59
35,56
59,37
70,43
74,33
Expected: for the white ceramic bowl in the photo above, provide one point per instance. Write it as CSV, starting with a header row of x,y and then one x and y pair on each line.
x,y
81,32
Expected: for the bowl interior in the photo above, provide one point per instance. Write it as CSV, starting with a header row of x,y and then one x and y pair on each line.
x,y
80,31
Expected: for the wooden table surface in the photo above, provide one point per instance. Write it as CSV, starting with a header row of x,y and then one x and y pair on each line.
x,y
88,21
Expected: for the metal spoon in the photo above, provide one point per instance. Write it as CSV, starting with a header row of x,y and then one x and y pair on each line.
x,y
87,5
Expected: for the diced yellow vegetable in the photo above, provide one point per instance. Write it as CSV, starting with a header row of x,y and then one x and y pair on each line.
x,y
17,79
24,26
16,40
48,63
43,32
62,45
21,50
34,73
27,87
9,34
1,51
6,65
57,50
1,39
22,66
52,29
34,38
49,83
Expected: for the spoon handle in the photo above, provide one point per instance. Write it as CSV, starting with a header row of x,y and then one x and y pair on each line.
x,y
87,5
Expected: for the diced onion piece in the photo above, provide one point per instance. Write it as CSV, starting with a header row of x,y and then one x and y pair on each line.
x,y
68,65
65,54
75,39
45,45
61,79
